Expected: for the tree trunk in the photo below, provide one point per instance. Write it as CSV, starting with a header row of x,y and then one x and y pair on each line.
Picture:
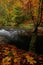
x,y
33,40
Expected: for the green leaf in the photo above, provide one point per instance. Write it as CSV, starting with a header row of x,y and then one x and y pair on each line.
x,y
10,54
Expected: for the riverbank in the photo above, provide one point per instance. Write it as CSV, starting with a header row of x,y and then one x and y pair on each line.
x,y
12,55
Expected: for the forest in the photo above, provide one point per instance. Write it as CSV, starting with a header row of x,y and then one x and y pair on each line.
x,y
20,13
21,32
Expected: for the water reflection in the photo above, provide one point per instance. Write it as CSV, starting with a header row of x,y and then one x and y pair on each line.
x,y
20,38
16,37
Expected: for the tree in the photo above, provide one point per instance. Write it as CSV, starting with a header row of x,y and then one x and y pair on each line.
x,y
19,16
2,16
36,22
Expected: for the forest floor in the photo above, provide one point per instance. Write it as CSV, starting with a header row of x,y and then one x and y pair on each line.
x,y
11,55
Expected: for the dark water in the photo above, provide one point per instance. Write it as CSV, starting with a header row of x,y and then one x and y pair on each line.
x,y
39,45
22,42
21,39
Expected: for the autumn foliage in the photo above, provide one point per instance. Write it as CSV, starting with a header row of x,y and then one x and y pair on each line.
x,y
11,55
7,11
